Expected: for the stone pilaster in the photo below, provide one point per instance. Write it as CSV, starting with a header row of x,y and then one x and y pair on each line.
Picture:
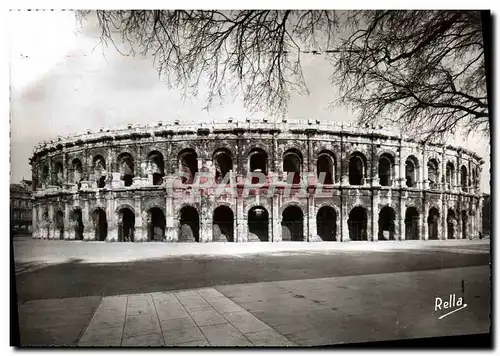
x,y
34,221
88,228
112,219
275,218
138,227
170,233
241,222
425,226
313,233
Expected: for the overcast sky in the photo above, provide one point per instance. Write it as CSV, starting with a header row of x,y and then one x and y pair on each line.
x,y
63,82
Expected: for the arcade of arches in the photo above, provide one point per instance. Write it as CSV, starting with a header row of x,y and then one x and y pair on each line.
x,y
293,224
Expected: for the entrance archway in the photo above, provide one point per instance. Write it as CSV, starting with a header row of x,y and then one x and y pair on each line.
x,y
464,224
386,225
411,224
432,223
77,222
100,224
258,224
326,223
292,224
223,222
451,224
157,224
189,225
358,224
126,225
59,222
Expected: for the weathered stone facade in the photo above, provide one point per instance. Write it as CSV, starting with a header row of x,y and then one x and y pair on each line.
x,y
116,185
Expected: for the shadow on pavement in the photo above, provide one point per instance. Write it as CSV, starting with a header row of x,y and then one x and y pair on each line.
x,y
75,278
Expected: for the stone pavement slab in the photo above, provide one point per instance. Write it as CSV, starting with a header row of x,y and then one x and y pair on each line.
x,y
301,312
55,321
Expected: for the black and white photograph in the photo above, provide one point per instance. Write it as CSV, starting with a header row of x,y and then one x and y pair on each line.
x,y
200,178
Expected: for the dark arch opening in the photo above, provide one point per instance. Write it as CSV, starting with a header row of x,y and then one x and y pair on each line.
x,y
451,224
356,169
326,223
126,225
100,224
358,223
258,224
411,172
77,222
157,163
292,163
411,224
326,165
188,161
223,224
386,226
126,162
464,224
156,224
59,222
45,175
385,164
223,163
450,173
258,162
463,178
433,174
292,224
77,172
433,223
59,174
99,165
189,225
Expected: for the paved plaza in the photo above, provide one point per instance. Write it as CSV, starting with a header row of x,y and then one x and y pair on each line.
x,y
390,296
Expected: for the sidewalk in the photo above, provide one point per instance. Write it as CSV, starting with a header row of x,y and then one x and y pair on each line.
x,y
287,313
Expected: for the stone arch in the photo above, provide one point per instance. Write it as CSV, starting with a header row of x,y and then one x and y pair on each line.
x,y
59,223
326,163
386,167
433,173
450,174
156,222
451,224
258,223
187,160
100,222
258,160
358,223
386,223
77,226
326,223
156,166
222,159
126,223
411,171
358,168
223,224
77,170
189,223
99,170
261,146
292,223
293,161
463,178
412,218
126,165
433,219
124,206
59,172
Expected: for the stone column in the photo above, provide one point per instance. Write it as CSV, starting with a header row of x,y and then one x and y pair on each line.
x,y
241,226
423,171
50,223
402,213
374,215
344,215
170,233
397,174
112,219
138,227
444,216
67,221
423,218
88,226
313,233
275,232
206,233
34,222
